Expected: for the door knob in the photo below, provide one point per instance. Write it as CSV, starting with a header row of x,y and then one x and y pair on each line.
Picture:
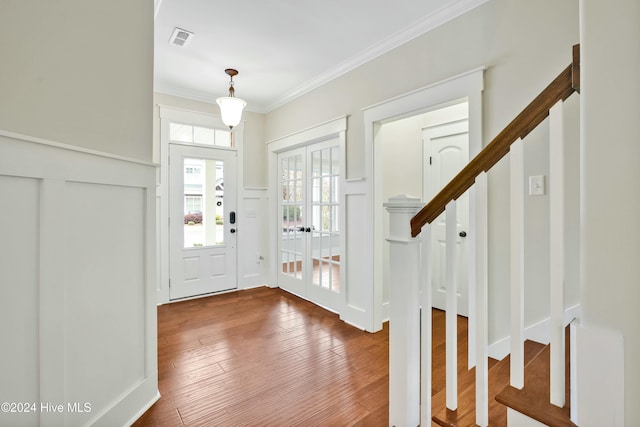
x,y
462,234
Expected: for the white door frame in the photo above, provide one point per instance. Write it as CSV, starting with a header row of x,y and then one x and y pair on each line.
x,y
170,114
332,129
468,85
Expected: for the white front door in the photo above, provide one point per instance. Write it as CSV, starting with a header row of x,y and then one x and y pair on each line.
x,y
446,152
202,212
309,208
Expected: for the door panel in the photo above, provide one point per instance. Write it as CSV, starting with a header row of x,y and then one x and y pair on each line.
x,y
292,209
324,165
446,153
202,238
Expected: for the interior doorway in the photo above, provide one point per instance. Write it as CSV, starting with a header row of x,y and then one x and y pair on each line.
x,y
467,86
420,154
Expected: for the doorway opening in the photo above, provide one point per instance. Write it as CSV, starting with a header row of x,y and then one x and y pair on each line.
x,y
420,154
467,86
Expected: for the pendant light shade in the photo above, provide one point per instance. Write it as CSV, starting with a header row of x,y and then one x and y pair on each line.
x,y
231,110
230,106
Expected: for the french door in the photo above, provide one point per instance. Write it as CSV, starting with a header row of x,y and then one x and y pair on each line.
x,y
310,217
202,235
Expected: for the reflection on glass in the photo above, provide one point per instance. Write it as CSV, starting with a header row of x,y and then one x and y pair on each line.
x,y
325,237
203,202
291,187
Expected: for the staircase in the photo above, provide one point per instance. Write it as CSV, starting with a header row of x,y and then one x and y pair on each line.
x,y
532,400
530,386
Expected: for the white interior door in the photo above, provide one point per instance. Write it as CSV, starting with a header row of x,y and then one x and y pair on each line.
x,y
446,152
310,245
202,210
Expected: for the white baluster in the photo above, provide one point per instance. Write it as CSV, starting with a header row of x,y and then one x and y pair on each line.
x,y
452,306
482,302
404,313
471,277
516,165
556,253
425,326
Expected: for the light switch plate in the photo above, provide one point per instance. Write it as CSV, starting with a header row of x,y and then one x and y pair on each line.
x,y
536,185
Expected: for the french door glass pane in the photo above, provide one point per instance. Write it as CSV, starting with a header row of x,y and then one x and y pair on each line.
x,y
291,185
325,242
203,202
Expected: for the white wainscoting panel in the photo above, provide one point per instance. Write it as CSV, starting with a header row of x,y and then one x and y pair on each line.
x,y
77,284
252,238
356,290
19,220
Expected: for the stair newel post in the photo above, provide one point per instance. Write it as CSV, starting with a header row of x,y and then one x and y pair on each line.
x,y
426,326
404,313
556,253
482,299
516,166
451,279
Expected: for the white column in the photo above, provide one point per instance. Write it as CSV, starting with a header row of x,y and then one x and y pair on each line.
x,y
404,313
482,302
556,252
451,279
516,165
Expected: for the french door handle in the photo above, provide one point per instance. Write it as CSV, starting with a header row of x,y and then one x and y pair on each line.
x,y
307,230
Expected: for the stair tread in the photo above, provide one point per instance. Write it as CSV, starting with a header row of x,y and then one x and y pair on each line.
x,y
533,399
498,379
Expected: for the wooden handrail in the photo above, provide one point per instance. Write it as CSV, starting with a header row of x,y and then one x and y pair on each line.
x,y
559,90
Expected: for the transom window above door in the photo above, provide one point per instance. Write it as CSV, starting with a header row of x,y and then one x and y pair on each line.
x,y
179,132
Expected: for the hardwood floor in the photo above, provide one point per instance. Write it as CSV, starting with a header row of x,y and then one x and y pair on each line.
x,y
265,357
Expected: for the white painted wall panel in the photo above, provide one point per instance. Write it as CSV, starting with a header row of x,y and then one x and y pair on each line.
x,y
19,239
104,307
77,283
252,233
356,289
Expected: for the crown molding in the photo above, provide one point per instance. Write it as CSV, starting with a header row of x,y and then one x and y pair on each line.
x,y
428,23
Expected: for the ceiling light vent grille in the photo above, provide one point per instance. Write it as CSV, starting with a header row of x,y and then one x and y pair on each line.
x,y
180,37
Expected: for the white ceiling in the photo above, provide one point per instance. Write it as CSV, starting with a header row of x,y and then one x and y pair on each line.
x,y
282,48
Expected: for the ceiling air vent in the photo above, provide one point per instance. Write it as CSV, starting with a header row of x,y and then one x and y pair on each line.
x,y
180,37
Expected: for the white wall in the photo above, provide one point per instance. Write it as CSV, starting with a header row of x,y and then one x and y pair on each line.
x,y
77,250
610,103
523,44
78,72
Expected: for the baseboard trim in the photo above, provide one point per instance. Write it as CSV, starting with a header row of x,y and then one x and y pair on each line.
x,y
538,332
145,408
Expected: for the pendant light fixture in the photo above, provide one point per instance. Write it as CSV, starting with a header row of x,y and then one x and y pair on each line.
x,y
230,106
